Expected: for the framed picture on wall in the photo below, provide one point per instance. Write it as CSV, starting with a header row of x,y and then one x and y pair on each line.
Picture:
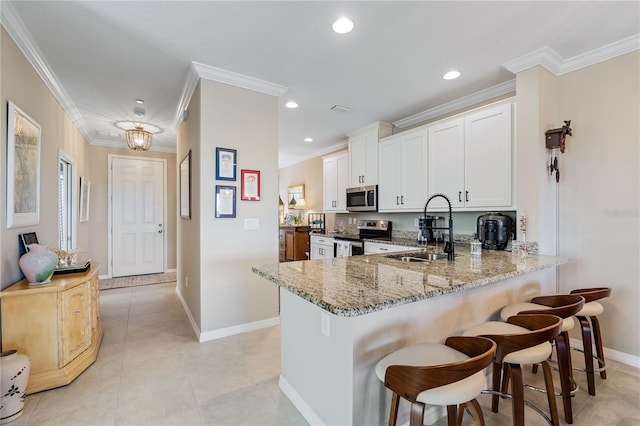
x,y
226,160
225,202
185,187
23,168
250,187
85,195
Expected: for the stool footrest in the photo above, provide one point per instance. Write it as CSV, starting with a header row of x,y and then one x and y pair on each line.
x,y
529,404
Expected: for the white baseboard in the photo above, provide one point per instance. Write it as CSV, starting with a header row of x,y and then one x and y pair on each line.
x,y
237,329
192,320
172,270
612,354
298,402
104,277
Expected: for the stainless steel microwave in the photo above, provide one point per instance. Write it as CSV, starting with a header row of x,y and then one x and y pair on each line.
x,y
362,199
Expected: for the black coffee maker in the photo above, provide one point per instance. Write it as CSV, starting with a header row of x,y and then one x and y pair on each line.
x,y
495,230
426,225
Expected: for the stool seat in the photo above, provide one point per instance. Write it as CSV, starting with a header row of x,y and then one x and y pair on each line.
x,y
531,355
511,310
591,309
591,334
523,339
449,374
430,354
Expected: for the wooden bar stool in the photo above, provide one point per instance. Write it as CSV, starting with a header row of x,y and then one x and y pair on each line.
x,y
589,323
565,306
523,339
449,374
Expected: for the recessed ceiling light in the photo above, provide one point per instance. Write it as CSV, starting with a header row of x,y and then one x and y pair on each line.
x,y
291,104
140,101
342,25
308,139
451,75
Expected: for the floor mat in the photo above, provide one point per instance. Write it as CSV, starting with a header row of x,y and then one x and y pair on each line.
x,y
136,280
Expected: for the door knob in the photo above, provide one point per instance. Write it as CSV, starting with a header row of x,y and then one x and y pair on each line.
x,y
160,231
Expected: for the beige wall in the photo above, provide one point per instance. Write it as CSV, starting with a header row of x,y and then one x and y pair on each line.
x,y
599,191
189,282
99,211
20,84
230,294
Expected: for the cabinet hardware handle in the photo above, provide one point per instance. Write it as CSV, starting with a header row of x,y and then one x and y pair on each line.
x,y
402,199
77,311
466,196
460,196
397,200
160,231
383,249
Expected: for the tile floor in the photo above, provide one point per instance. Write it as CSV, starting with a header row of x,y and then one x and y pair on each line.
x,y
152,371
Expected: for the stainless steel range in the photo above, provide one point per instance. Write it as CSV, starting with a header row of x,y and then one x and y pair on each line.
x,y
353,244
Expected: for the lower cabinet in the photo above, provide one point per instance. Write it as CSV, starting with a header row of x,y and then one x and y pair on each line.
x,y
377,248
294,243
57,325
321,247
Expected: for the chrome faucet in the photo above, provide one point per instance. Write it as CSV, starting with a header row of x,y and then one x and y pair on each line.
x,y
448,247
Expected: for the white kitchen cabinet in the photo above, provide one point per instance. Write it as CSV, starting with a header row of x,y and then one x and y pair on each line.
x,y
377,248
402,171
469,159
335,172
321,247
363,153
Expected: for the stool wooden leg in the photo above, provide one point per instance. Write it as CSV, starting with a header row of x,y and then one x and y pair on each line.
x,y
476,411
517,393
417,415
597,337
563,352
393,412
495,399
588,354
551,395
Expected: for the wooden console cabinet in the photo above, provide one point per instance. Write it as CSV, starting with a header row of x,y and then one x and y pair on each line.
x,y
294,243
56,324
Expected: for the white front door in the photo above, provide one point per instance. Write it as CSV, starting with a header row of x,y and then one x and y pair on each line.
x,y
137,216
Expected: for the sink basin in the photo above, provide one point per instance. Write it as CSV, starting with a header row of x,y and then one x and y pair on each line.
x,y
418,256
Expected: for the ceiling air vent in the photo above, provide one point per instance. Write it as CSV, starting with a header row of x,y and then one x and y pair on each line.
x,y
340,108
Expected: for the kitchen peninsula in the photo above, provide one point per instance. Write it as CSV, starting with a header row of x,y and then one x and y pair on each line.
x,y
340,316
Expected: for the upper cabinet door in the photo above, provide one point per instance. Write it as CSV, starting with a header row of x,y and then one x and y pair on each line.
x,y
446,163
488,157
363,153
335,182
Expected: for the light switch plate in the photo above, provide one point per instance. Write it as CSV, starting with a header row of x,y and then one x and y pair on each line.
x,y
326,325
252,224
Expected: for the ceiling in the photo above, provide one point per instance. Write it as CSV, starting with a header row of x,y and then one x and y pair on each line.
x,y
100,56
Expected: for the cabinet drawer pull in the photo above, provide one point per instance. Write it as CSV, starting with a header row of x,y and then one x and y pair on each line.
x,y
76,312
397,201
466,198
460,196
402,199
383,249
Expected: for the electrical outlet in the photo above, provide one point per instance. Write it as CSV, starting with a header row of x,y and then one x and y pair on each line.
x,y
326,325
416,222
186,282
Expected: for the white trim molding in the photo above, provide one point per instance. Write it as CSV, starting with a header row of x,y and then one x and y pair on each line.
x,y
554,63
238,329
457,104
18,32
198,70
612,354
299,402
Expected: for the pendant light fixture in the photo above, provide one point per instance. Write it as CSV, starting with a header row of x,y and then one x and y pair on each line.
x,y
138,139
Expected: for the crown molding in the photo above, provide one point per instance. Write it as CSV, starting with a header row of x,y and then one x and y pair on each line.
x,y
190,84
457,104
198,70
18,32
557,65
234,79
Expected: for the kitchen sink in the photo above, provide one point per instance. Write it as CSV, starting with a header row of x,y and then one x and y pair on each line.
x,y
418,256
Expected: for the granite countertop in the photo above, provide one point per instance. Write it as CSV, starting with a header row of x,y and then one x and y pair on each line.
x,y
359,285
